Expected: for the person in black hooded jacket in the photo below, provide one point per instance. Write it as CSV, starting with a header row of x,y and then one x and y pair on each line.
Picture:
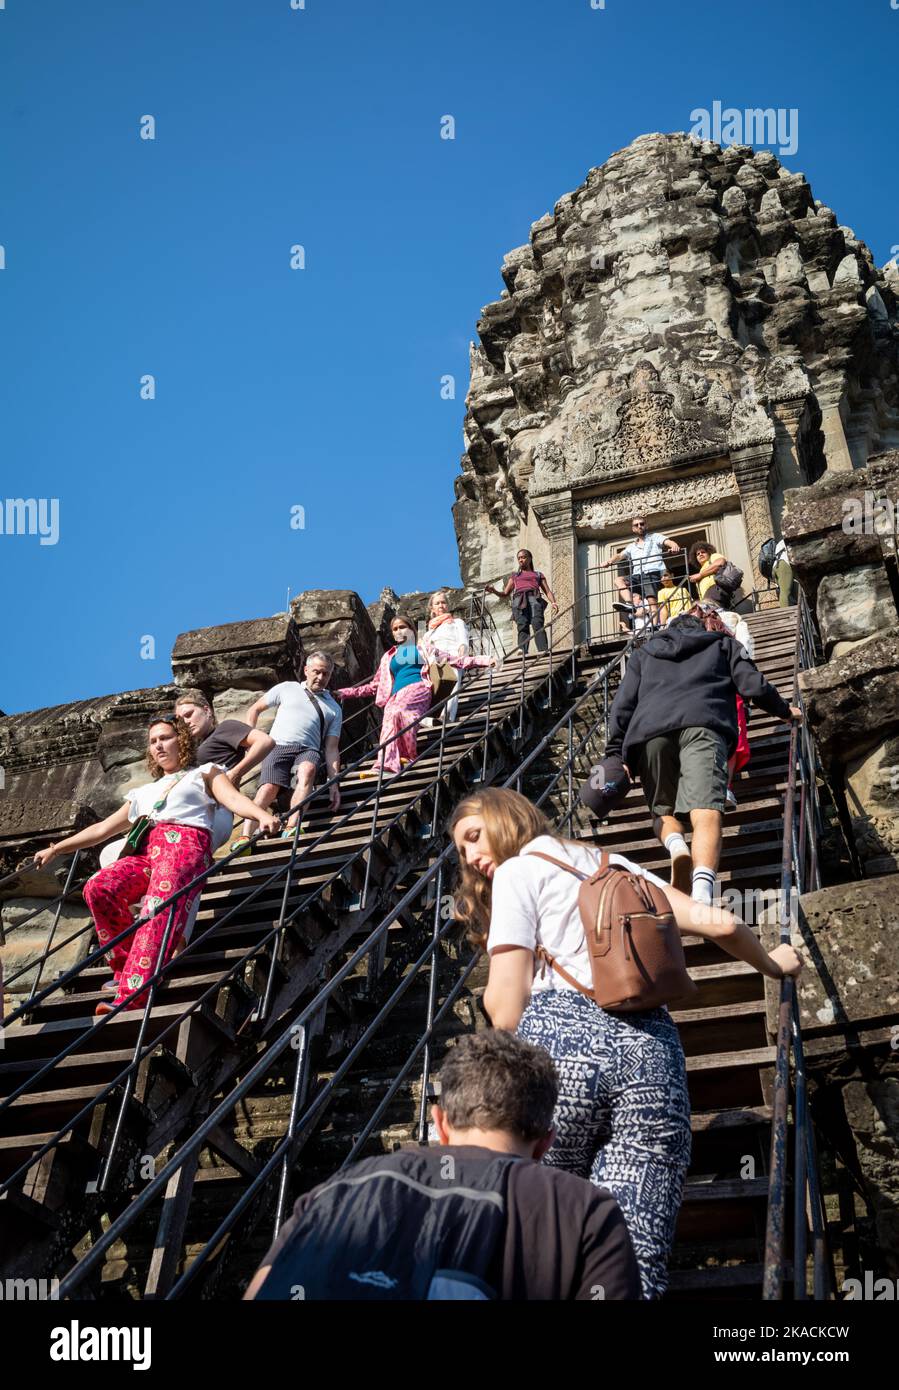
x,y
674,720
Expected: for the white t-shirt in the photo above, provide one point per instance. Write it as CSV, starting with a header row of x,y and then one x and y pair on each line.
x,y
535,904
297,719
647,556
188,803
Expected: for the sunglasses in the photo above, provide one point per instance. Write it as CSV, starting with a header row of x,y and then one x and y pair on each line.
x,y
163,719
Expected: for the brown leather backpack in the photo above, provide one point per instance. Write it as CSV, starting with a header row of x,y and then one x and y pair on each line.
x,y
636,957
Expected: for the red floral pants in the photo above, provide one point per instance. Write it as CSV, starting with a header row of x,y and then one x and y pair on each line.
x,y
172,856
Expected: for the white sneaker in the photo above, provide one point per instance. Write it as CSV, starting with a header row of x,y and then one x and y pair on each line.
x,y
730,801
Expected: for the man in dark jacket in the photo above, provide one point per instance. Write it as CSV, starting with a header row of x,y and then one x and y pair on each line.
x,y
674,719
475,1217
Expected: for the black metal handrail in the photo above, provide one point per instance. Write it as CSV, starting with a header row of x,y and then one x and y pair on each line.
x,y
141,1051
799,874
301,1120
216,868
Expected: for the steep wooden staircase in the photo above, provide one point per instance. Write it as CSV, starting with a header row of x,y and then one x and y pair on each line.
x,y
230,991
719,1248
51,1214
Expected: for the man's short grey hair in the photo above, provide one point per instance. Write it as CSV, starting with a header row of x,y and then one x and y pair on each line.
x,y
320,656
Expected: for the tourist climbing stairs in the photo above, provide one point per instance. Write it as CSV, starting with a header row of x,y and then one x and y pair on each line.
x,y
335,1059
89,1105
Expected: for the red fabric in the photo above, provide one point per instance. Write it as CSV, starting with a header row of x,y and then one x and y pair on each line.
x,y
526,581
741,753
173,855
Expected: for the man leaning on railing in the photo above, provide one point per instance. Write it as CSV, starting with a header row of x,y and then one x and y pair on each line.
x,y
646,557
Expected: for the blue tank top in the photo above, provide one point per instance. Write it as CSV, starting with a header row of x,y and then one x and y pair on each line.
x,y
405,666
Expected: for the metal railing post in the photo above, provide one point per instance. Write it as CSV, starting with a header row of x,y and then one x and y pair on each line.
x,y
47,949
432,999
128,1089
297,1100
487,726
371,838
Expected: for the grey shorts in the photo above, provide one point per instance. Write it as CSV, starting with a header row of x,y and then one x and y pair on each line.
x,y
281,763
684,771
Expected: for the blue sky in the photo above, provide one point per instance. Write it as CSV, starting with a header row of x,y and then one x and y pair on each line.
x,y
279,388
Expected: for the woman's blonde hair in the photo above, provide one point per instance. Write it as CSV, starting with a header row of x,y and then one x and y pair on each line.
x,y
510,821
187,755
436,594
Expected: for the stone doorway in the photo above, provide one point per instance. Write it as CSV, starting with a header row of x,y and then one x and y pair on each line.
x,y
596,586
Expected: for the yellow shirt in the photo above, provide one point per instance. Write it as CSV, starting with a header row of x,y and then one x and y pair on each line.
x,y
706,583
678,600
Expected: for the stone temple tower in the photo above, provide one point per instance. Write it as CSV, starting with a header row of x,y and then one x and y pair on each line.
x,y
686,335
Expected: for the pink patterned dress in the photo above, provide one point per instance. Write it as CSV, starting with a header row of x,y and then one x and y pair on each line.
x,y
403,709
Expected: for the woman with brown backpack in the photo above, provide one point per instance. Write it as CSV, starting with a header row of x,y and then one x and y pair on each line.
x,y
584,952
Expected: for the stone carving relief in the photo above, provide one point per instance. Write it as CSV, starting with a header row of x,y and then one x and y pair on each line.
x,y
683,494
644,427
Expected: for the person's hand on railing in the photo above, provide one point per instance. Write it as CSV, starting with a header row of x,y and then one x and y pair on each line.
x,y
788,959
268,824
45,856
796,714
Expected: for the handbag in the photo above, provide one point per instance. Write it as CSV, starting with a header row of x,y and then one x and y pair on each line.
x,y
443,680
636,956
729,577
141,828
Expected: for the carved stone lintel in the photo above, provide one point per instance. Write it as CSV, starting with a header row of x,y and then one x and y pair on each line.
x,y
682,494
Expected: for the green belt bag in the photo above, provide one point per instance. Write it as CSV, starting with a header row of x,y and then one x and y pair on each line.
x,y
143,825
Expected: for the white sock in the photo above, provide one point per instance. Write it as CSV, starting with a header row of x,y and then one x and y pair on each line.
x,y
703,886
675,843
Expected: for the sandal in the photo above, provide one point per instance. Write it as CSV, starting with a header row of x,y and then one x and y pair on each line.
x,y
103,1008
240,846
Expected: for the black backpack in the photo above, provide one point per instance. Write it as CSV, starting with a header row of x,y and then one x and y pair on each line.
x,y
766,559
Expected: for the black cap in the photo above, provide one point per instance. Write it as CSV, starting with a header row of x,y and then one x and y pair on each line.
x,y
607,787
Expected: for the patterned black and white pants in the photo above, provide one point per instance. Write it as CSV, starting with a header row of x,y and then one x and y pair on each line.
x,y
623,1114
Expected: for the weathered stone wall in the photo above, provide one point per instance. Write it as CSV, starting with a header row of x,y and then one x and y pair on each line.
x,y
69,765
841,538
848,996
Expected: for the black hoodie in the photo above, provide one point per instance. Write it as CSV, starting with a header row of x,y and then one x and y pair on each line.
x,y
685,678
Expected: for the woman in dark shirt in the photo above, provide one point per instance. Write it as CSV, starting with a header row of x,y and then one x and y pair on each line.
x,y
530,595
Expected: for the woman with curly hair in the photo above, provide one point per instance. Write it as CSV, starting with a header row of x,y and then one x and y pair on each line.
x,y
181,802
